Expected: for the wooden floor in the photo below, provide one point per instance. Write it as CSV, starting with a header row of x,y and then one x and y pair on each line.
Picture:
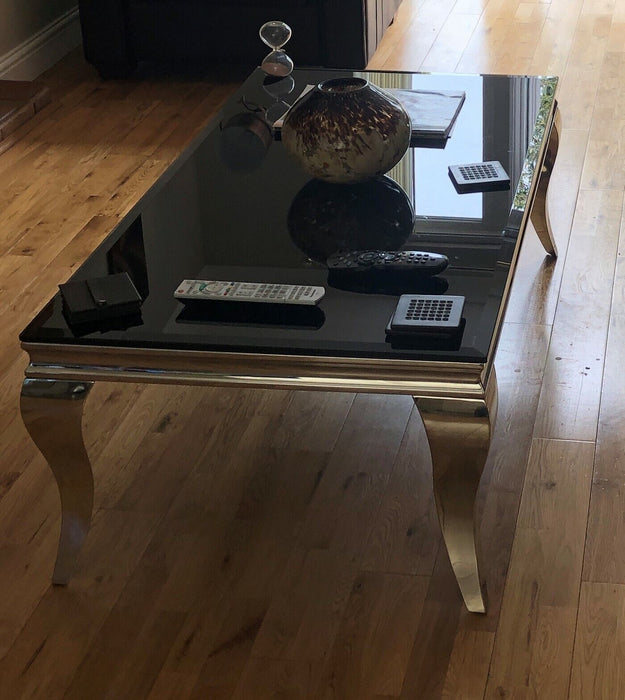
x,y
255,544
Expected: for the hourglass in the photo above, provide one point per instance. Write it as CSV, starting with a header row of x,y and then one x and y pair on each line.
x,y
276,34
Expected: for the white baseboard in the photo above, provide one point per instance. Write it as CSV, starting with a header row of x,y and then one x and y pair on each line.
x,y
42,50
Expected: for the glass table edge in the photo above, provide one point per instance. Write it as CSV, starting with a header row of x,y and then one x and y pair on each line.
x,y
539,157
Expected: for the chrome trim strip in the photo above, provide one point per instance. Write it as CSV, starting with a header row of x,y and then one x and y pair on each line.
x,y
251,369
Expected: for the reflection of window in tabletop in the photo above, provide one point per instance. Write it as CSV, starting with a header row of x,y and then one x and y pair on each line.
x,y
434,194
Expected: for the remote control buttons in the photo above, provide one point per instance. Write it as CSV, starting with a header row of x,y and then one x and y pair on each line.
x,y
367,258
191,291
370,261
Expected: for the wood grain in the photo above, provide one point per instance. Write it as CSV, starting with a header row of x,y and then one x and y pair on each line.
x,y
599,659
577,349
534,644
606,528
371,651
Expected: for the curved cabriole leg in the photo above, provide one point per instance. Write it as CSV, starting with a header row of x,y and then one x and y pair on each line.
x,y
540,213
459,432
52,412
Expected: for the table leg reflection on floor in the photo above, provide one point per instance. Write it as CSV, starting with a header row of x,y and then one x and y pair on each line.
x,y
459,432
52,413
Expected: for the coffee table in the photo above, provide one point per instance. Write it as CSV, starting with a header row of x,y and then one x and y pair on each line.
x,y
235,206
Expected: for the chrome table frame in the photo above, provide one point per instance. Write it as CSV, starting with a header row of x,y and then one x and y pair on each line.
x,y
457,403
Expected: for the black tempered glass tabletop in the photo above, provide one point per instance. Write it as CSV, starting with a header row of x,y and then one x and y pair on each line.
x,y
235,206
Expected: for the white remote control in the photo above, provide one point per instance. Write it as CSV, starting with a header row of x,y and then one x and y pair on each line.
x,y
268,293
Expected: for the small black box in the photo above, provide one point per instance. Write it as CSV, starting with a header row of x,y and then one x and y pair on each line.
x,y
479,177
426,314
100,298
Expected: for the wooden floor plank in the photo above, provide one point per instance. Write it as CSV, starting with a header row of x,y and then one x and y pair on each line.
x,y
569,407
450,43
534,643
44,658
468,665
421,27
382,609
583,72
434,641
599,660
604,560
405,537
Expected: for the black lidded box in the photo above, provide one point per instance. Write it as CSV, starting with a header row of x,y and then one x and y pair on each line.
x,y
100,298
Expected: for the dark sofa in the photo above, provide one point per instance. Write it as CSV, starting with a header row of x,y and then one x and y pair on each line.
x,y
194,34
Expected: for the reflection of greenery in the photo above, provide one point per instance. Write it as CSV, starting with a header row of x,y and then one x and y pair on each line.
x,y
547,95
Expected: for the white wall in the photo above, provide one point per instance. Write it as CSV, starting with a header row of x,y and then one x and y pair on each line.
x,y
34,34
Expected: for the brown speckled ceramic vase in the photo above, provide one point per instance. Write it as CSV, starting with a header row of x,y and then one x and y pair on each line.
x,y
346,130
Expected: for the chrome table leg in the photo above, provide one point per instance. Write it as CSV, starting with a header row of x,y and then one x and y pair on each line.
x,y
540,213
459,432
52,412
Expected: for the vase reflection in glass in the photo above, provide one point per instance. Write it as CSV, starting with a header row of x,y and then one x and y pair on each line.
x,y
325,218
346,130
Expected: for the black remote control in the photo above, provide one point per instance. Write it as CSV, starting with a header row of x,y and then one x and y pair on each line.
x,y
411,262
